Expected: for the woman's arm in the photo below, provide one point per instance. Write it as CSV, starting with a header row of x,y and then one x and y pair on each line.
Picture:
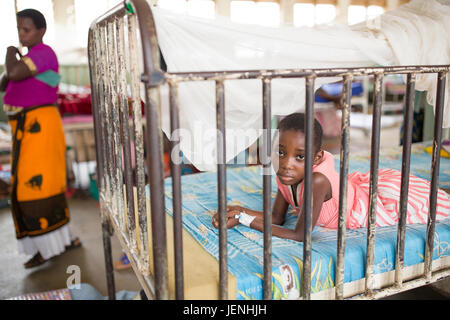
x,y
16,69
321,191
3,81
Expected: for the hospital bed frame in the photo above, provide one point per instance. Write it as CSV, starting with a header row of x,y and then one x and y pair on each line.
x,y
110,76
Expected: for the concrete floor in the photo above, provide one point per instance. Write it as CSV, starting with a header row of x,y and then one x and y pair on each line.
x,y
15,280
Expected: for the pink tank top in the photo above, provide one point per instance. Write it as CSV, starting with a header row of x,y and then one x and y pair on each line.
x,y
329,214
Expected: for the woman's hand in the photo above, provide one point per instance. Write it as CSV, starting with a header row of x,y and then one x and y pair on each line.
x,y
12,48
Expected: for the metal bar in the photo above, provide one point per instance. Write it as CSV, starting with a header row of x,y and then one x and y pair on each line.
x,y
300,73
267,186
152,75
157,202
125,131
97,83
108,258
407,285
406,157
222,190
104,179
435,162
109,126
307,189
343,182
116,130
97,90
107,120
93,76
373,188
138,140
175,168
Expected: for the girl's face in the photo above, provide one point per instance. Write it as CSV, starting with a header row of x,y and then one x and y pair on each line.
x,y
29,35
289,159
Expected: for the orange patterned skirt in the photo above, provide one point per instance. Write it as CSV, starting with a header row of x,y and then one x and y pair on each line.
x,y
38,171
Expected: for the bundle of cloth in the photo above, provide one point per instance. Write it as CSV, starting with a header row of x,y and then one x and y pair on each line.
x,y
413,34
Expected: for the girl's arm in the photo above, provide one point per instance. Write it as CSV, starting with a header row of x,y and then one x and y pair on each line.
x,y
16,70
321,191
279,210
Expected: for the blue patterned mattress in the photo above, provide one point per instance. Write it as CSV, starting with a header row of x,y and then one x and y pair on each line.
x,y
245,245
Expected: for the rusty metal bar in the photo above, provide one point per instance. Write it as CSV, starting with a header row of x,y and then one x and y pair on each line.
x,y
117,147
267,186
406,157
222,190
103,181
300,73
94,75
307,186
175,168
343,182
104,112
153,145
152,78
108,257
435,162
138,140
125,132
152,75
373,188
96,83
110,124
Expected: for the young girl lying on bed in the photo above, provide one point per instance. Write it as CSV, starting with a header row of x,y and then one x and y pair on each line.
x,y
288,159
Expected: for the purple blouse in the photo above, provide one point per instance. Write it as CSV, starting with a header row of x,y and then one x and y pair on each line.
x,y
32,91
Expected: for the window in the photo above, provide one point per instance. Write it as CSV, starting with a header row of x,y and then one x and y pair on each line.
x,y
304,15
197,8
87,11
261,13
202,8
308,14
358,13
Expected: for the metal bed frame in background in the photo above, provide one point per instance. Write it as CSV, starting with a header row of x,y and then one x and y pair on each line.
x,y
124,209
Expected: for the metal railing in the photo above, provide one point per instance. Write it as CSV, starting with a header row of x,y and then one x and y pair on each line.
x,y
122,193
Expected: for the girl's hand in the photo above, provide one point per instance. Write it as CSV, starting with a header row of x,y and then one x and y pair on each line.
x,y
236,208
231,220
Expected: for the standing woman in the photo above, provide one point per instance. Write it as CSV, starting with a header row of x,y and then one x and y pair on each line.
x,y
38,168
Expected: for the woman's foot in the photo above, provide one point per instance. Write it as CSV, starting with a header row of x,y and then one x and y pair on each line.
x,y
76,243
37,260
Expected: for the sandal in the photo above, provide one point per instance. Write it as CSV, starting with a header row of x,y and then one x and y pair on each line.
x,y
123,263
76,243
37,260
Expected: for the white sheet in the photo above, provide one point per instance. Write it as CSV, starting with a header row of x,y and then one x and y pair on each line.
x,y
414,34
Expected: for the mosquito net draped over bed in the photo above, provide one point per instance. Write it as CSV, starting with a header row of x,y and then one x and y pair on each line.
x,y
414,34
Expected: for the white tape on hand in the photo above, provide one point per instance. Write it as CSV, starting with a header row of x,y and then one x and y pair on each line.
x,y
245,219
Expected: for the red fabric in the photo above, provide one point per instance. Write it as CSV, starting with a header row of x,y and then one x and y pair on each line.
x,y
74,103
78,103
